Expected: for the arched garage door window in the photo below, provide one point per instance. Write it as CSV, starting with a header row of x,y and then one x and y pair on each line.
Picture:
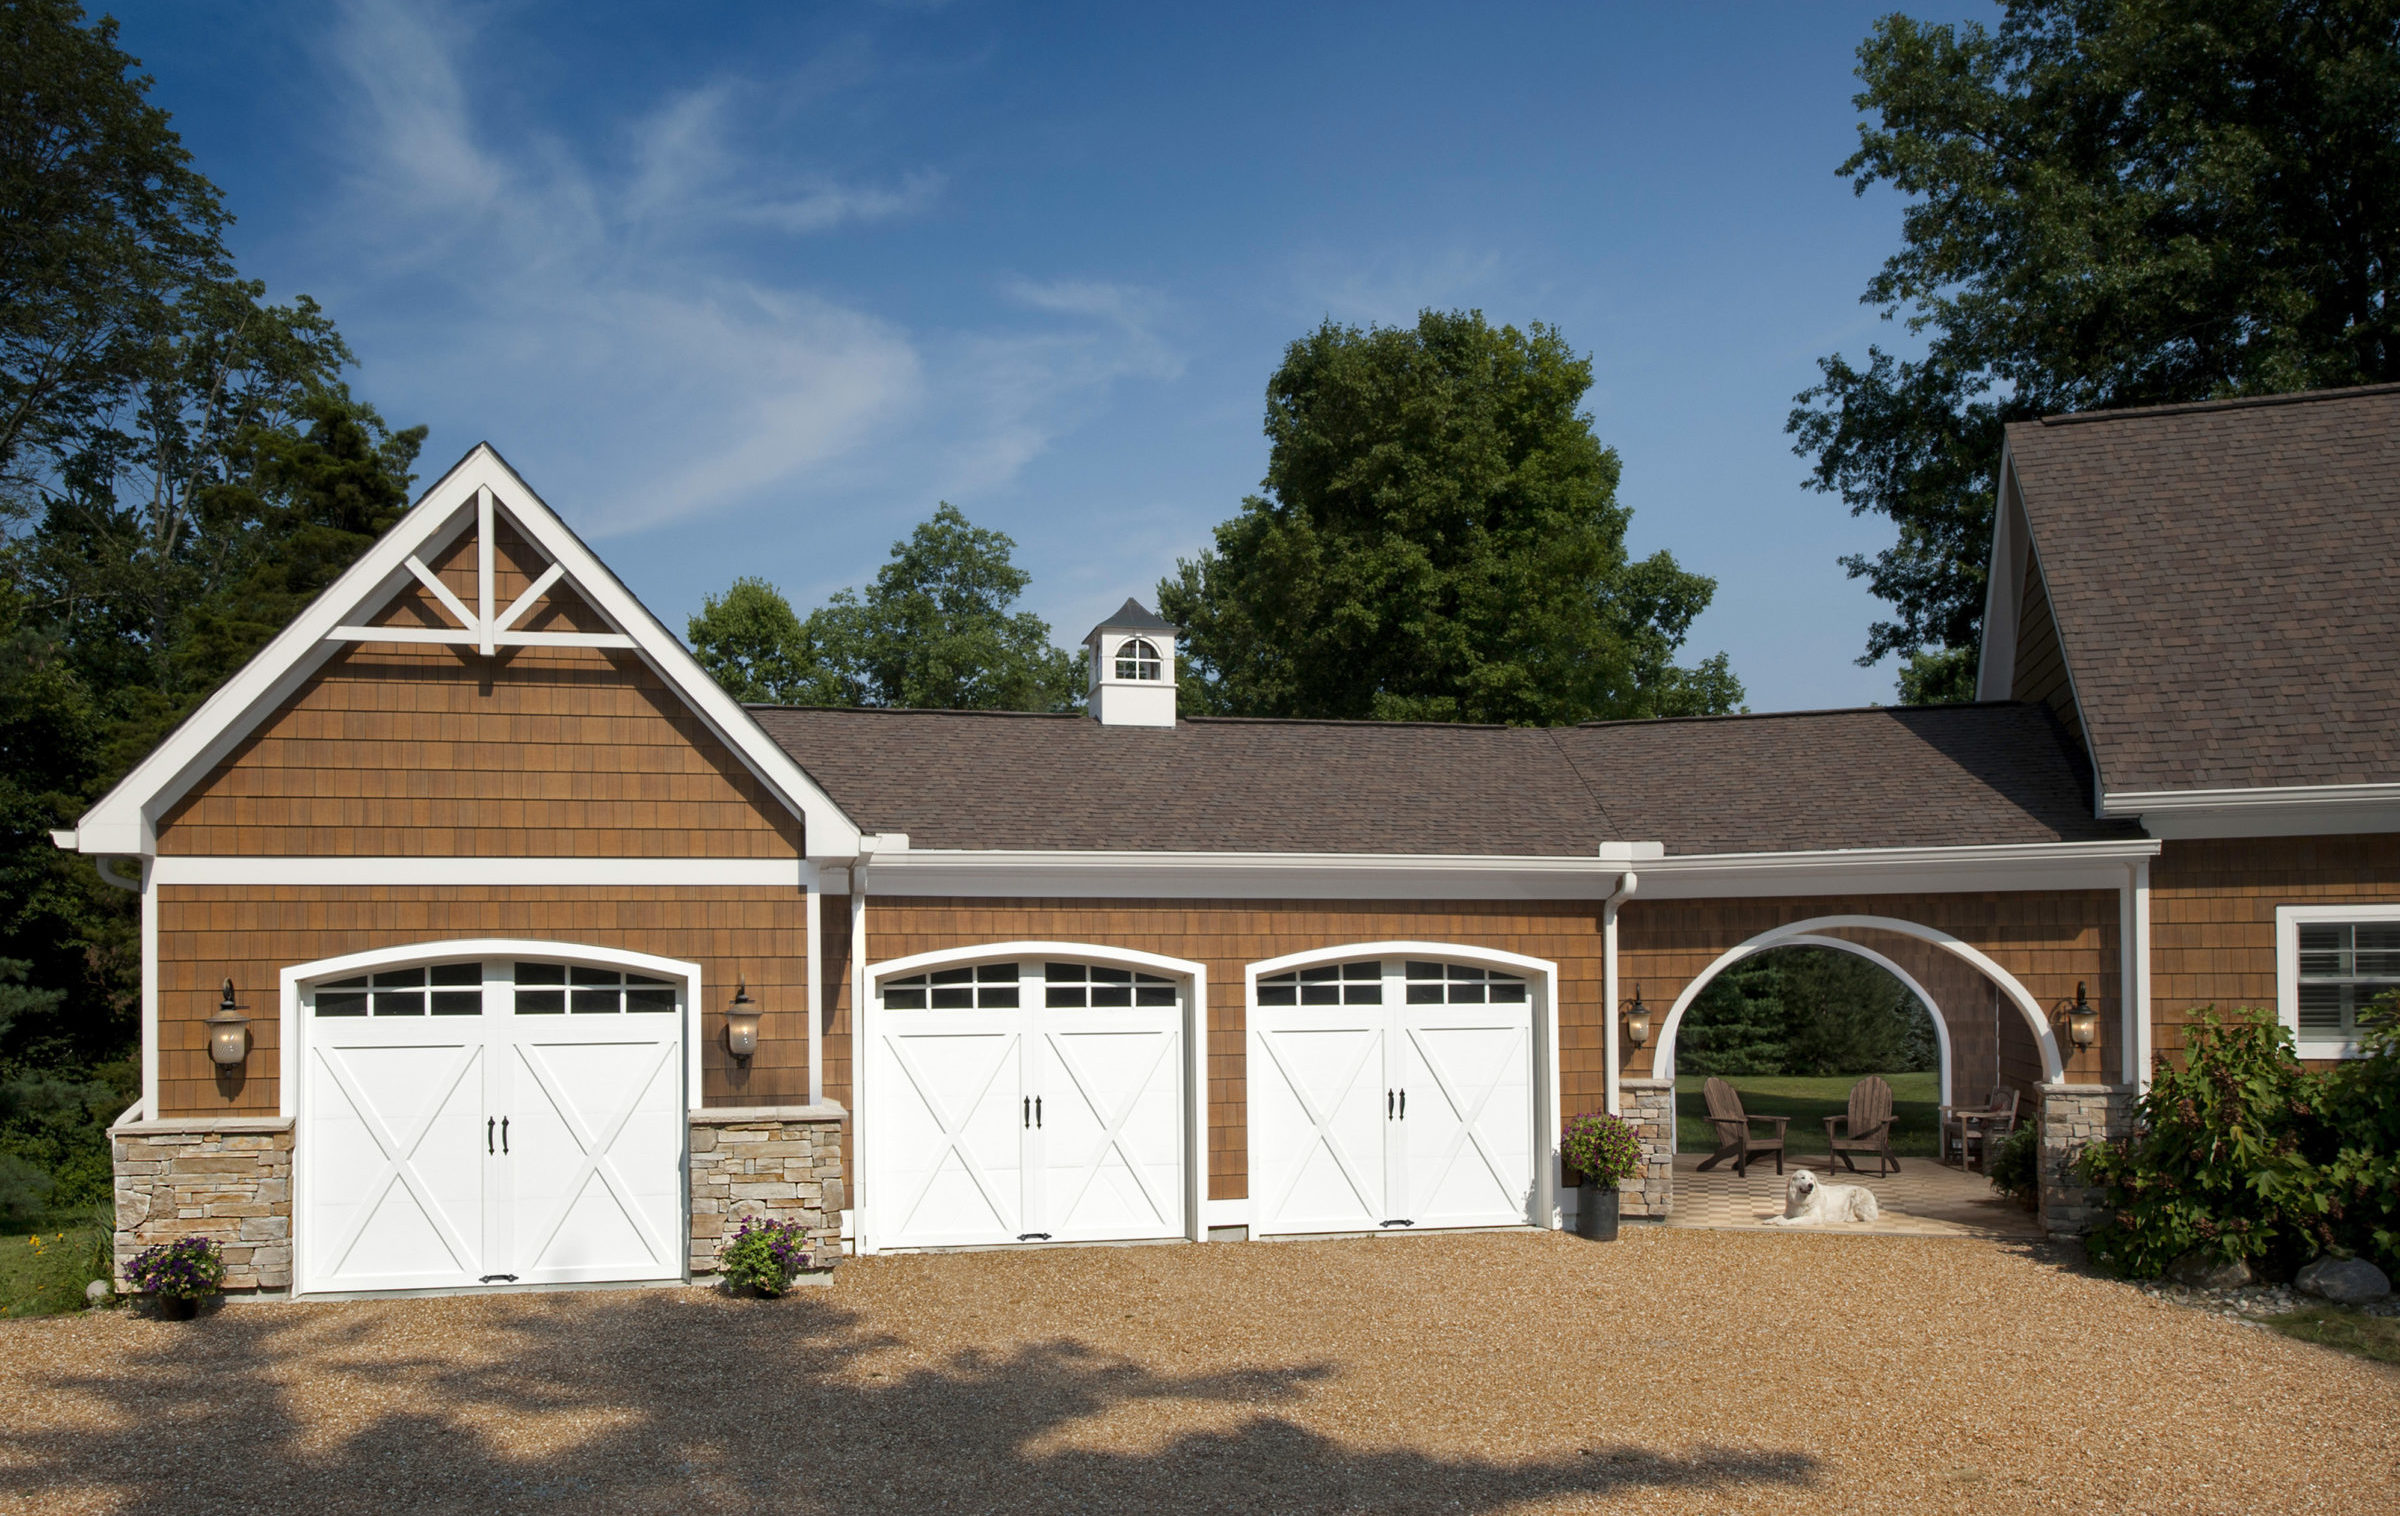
x,y
1395,1091
506,1117
1029,1098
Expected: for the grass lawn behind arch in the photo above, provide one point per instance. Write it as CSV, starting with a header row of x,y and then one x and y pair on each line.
x,y
1916,1108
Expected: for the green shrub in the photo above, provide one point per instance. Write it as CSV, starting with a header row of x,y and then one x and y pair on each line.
x,y
1602,1149
765,1256
2015,1166
2361,1099
2221,1163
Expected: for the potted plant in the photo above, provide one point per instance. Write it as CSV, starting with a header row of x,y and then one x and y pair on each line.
x,y
1604,1151
178,1275
764,1257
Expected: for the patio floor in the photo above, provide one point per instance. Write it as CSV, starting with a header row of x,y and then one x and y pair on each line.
x,y
1924,1199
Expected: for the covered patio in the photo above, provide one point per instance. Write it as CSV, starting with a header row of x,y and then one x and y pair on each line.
x,y
1923,1199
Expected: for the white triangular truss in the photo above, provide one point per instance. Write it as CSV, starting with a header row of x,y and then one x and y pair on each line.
x,y
478,628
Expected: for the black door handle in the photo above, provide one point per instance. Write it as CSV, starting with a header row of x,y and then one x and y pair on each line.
x,y
1037,1110
487,1134
1404,1105
1029,1113
504,1134
1387,1105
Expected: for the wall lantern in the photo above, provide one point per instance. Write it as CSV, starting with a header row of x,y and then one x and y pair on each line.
x,y
741,1023
228,1032
2083,1022
1637,1020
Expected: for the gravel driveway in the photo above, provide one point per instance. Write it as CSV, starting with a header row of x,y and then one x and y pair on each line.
x,y
1676,1370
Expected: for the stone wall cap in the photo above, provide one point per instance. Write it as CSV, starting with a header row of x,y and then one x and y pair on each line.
x,y
735,1115
1645,1084
2065,1088
175,1126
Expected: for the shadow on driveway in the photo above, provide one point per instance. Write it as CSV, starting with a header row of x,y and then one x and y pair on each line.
x,y
668,1400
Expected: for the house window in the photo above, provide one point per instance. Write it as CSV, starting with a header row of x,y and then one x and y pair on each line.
x,y
1137,658
552,989
446,989
983,987
1461,984
1328,984
1078,986
2344,966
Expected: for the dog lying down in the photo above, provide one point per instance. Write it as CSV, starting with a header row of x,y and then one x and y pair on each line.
x,y
1808,1201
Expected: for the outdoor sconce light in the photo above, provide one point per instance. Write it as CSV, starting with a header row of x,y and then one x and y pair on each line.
x,y
2083,1022
741,1023
1637,1020
228,1032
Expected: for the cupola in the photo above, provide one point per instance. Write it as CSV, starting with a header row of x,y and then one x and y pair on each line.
x,y
1133,668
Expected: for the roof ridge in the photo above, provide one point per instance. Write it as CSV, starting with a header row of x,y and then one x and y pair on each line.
x,y
2226,403
1833,710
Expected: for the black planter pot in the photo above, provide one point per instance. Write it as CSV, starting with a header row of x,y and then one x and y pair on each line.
x,y
1596,1214
177,1307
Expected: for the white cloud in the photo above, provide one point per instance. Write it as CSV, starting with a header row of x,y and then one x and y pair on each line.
x,y
585,316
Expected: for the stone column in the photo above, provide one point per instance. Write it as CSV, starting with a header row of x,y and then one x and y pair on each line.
x,y
2073,1117
1649,1107
782,1163
226,1178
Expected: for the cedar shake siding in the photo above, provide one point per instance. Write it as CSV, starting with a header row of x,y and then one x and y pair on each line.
x,y
396,750
2212,915
2048,940
2041,664
252,933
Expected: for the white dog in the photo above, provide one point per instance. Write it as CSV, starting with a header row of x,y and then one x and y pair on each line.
x,y
1808,1202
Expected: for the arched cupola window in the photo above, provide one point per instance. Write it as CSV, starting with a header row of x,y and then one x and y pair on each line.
x,y
1137,658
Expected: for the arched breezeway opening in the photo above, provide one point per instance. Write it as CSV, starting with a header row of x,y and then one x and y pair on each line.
x,y
1990,1035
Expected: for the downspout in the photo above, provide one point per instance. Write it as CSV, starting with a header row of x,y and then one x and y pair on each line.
x,y
1627,883
812,906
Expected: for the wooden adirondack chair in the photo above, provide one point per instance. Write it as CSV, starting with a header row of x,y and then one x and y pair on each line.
x,y
1867,1129
1733,1130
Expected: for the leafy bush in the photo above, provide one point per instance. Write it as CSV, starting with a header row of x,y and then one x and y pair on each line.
x,y
2221,1165
186,1269
2015,1166
1602,1149
2361,1098
765,1256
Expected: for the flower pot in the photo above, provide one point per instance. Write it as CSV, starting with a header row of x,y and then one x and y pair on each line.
x,y
178,1307
1596,1214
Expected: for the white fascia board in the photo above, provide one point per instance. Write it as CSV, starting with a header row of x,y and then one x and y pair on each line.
x,y
335,872
2298,810
1370,876
124,819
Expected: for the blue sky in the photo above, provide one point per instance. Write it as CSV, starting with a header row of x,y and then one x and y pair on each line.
x,y
745,289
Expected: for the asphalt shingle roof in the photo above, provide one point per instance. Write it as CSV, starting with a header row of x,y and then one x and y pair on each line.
x,y
1835,779
2226,579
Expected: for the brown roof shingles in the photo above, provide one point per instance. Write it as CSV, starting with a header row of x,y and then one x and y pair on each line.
x,y
1841,779
2227,585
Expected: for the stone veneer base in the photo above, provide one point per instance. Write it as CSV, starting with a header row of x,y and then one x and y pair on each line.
x,y
1648,1106
778,1163
226,1178
2073,1117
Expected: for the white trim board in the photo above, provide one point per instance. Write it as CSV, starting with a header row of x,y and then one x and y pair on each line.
x,y
1400,876
754,872
2288,920
481,483
2295,810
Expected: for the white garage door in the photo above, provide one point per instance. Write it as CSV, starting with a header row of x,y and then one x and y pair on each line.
x,y
1024,1101
489,1121
1391,1093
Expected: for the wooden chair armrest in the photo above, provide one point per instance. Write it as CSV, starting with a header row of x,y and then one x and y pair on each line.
x,y
1780,1122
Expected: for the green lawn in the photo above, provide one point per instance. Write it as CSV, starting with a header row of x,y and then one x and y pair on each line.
x,y
2376,1337
43,1272
1916,1103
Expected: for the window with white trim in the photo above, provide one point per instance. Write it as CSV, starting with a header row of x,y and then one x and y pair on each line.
x,y
1137,658
979,987
1461,984
2343,967
1095,986
1359,983
551,989
446,989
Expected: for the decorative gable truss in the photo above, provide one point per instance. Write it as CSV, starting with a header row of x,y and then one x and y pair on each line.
x,y
571,601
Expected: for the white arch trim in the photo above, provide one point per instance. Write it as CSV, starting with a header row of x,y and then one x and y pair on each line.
x,y
1195,1055
1547,1169
289,1058
2053,1067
